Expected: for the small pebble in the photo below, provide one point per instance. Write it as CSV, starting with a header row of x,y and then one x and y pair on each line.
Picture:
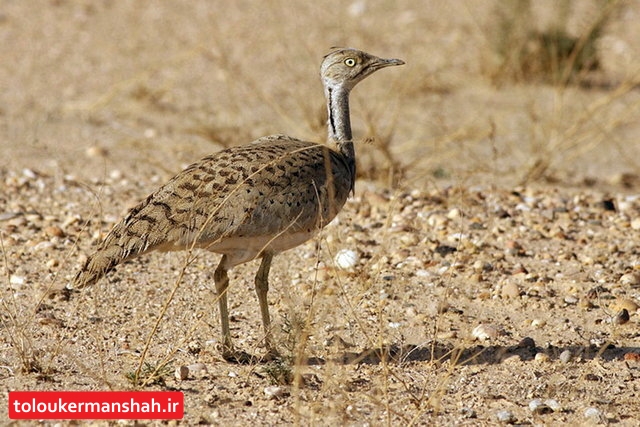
x,y
116,174
553,405
541,358
96,151
410,240
538,407
43,246
346,259
571,299
482,266
32,217
566,356
52,263
453,213
423,273
9,215
506,417
467,412
197,368
437,221
510,290
276,392
194,347
70,220
29,173
182,373
538,323
485,332
630,279
519,269
632,356
17,222
17,280
483,295
594,414
621,317
54,231
514,248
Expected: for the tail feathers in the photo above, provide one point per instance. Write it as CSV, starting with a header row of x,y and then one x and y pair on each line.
x,y
164,221
120,245
99,264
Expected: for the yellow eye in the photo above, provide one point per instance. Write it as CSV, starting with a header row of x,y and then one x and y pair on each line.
x,y
349,62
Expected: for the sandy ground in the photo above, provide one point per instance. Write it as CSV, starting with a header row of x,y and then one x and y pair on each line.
x,y
495,226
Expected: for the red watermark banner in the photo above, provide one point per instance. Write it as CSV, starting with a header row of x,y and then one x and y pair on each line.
x,y
96,405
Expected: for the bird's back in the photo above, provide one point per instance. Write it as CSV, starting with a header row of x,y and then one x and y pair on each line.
x,y
270,195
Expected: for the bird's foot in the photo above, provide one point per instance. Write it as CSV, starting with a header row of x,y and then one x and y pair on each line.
x,y
61,294
271,355
238,357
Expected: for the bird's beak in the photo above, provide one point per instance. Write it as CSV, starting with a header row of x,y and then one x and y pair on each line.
x,y
388,62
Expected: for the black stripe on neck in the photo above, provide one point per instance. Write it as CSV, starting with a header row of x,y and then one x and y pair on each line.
x,y
331,118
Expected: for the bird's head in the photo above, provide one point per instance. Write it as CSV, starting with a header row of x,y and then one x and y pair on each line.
x,y
345,67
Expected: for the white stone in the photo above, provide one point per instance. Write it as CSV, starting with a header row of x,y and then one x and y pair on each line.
x,y
346,259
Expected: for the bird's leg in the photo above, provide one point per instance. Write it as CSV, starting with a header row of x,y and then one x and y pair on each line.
x,y
262,287
221,280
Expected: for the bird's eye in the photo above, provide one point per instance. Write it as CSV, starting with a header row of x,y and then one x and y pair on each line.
x,y
349,62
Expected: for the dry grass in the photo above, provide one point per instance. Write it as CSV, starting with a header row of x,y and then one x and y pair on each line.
x,y
549,54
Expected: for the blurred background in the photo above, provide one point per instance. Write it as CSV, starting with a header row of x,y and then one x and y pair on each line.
x,y
505,92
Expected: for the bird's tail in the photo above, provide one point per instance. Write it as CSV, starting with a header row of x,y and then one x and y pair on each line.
x,y
136,234
97,265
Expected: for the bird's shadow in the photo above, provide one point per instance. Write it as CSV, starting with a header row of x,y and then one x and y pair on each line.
x,y
476,354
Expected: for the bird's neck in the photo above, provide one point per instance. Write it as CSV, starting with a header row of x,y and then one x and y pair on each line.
x,y
339,125
339,122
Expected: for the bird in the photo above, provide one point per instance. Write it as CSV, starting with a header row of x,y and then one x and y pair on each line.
x,y
249,201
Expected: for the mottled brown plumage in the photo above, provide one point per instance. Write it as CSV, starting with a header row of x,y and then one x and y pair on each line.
x,y
249,201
